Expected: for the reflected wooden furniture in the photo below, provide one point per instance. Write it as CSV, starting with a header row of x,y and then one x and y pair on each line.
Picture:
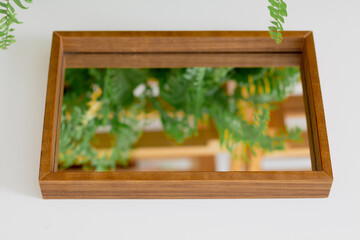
x,y
155,145
293,106
184,49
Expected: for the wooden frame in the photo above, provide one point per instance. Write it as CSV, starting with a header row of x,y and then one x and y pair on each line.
x,y
184,49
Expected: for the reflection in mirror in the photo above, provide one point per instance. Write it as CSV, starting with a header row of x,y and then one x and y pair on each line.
x,y
183,119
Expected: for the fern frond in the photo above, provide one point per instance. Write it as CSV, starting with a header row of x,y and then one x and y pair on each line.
x,y
8,17
277,12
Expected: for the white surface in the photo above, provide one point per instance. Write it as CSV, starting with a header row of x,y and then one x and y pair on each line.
x,y
23,74
286,164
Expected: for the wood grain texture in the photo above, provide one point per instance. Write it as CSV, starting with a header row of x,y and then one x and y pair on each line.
x,y
321,144
177,60
182,190
51,107
309,112
180,49
181,41
185,185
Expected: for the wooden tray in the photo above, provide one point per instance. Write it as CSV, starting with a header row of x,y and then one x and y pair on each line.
x,y
184,49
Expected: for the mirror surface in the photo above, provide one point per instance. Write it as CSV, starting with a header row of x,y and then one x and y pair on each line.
x,y
183,119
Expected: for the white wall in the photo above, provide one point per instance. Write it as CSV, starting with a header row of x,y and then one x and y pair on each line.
x,y
23,76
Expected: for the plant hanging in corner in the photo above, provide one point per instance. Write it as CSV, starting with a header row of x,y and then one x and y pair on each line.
x,y
277,8
7,18
277,12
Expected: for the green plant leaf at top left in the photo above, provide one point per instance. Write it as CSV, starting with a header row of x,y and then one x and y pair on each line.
x,y
18,2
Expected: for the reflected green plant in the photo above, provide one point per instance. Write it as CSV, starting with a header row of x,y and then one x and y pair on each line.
x,y
121,99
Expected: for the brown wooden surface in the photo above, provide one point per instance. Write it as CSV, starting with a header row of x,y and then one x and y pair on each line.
x,y
185,185
166,60
254,163
321,145
281,184
294,106
205,163
181,41
158,139
308,101
51,117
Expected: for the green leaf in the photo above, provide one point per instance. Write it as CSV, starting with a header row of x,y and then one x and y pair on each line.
x,y
278,25
18,2
273,10
277,12
271,28
276,36
3,11
281,19
274,15
272,33
3,4
274,3
275,23
3,20
283,5
283,12
28,1
11,8
13,18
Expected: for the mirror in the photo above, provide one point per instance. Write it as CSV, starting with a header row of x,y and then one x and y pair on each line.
x,y
183,119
